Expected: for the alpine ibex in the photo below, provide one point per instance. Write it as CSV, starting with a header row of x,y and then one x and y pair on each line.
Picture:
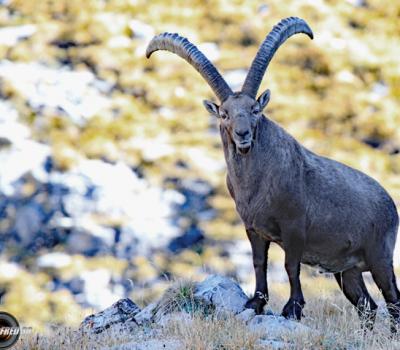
x,y
321,212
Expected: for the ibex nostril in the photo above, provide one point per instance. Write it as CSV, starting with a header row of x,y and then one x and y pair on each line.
x,y
242,133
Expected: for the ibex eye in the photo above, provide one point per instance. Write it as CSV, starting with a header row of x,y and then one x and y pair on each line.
x,y
223,115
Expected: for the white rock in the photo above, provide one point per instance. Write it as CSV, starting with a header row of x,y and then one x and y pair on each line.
x,y
9,36
235,78
97,291
7,112
204,161
346,76
210,50
379,90
55,260
72,92
223,293
21,158
13,131
9,270
94,188
153,149
72,180
76,205
166,112
141,30
119,194
120,41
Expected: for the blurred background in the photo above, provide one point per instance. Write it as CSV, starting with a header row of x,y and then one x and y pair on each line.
x,y
112,177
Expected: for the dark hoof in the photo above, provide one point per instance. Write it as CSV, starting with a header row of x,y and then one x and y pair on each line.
x,y
394,311
257,303
367,323
293,309
367,318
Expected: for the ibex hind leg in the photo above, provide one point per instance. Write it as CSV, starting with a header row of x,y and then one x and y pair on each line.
x,y
352,284
384,277
379,259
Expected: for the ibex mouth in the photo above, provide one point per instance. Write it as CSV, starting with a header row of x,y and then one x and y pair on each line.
x,y
244,147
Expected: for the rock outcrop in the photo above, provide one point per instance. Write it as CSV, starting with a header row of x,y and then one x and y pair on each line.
x,y
222,295
122,314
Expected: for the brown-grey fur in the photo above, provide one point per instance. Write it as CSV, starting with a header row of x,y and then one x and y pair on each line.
x,y
321,212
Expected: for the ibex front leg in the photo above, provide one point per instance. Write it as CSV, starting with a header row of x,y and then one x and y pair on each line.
x,y
293,244
260,248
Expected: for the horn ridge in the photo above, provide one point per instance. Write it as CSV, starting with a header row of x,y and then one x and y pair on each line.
x,y
286,28
182,47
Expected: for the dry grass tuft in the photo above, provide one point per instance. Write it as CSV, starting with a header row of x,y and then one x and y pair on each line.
x,y
212,333
180,298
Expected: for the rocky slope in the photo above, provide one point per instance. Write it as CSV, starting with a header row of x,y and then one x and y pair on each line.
x,y
216,299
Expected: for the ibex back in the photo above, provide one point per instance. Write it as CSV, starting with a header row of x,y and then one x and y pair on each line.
x,y
321,212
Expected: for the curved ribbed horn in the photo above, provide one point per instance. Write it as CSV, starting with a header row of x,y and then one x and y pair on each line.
x,y
185,49
277,36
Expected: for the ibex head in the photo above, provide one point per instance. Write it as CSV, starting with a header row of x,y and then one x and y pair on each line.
x,y
239,111
239,114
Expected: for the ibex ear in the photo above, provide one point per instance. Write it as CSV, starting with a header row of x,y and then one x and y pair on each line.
x,y
263,99
211,107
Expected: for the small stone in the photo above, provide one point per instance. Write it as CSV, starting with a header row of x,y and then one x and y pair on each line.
x,y
273,327
222,292
246,315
